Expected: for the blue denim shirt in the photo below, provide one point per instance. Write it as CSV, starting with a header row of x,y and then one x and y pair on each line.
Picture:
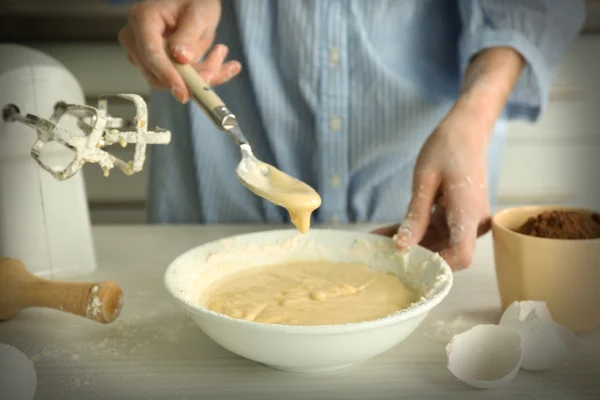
x,y
342,94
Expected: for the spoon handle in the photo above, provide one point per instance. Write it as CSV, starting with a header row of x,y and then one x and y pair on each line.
x,y
205,97
200,90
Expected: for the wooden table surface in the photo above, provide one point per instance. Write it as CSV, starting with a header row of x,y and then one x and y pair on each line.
x,y
153,351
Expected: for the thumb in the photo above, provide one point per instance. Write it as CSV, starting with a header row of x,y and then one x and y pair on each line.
x,y
196,22
413,228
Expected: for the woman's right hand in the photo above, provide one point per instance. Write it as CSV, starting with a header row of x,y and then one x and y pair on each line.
x,y
189,26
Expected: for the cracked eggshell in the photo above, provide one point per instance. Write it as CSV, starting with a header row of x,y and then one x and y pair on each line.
x,y
486,356
545,343
18,380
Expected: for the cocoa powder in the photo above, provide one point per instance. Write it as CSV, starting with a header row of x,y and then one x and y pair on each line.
x,y
567,225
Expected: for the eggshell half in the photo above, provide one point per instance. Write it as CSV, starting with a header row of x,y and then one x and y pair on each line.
x,y
18,380
545,343
486,356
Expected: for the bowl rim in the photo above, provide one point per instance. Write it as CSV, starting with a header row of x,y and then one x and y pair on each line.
x,y
541,208
402,315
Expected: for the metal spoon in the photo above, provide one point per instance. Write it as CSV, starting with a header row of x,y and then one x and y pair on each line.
x,y
263,179
214,108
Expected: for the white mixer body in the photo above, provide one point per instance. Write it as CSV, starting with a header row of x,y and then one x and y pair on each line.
x,y
43,222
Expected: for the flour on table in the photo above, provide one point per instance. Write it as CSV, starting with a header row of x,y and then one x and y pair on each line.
x,y
130,340
444,331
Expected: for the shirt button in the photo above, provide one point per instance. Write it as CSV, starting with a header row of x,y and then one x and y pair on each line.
x,y
336,181
335,124
334,57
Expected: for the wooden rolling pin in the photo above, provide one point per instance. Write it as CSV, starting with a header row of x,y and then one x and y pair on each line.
x,y
19,289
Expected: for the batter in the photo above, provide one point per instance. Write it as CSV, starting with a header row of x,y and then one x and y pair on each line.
x,y
308,294
268,182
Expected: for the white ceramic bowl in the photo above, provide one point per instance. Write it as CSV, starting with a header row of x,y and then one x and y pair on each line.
x,y
307,348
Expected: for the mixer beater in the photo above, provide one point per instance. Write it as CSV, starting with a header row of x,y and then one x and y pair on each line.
x,y
100,131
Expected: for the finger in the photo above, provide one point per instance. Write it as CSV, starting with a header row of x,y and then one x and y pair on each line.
x,y
414,226
132,60
224,74
436,231
151,79
149,28
436,236
463,218
127,39
211,66
215,58
193,25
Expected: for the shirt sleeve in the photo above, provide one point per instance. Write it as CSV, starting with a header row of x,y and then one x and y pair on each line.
x,y
540,30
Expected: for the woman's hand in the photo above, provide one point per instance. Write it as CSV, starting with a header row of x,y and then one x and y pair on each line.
x,y
449,209
189,26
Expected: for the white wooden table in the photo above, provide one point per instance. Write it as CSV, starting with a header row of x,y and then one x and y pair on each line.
x,y
154,352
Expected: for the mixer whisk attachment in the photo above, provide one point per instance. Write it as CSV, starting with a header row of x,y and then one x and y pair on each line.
x,y
100,130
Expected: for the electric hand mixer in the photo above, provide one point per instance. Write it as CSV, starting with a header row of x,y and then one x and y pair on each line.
x,y
21,199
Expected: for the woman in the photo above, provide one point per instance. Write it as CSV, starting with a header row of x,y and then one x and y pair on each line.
x,y
359,99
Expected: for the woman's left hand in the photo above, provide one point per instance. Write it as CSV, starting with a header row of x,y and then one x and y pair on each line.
x,y
449,208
